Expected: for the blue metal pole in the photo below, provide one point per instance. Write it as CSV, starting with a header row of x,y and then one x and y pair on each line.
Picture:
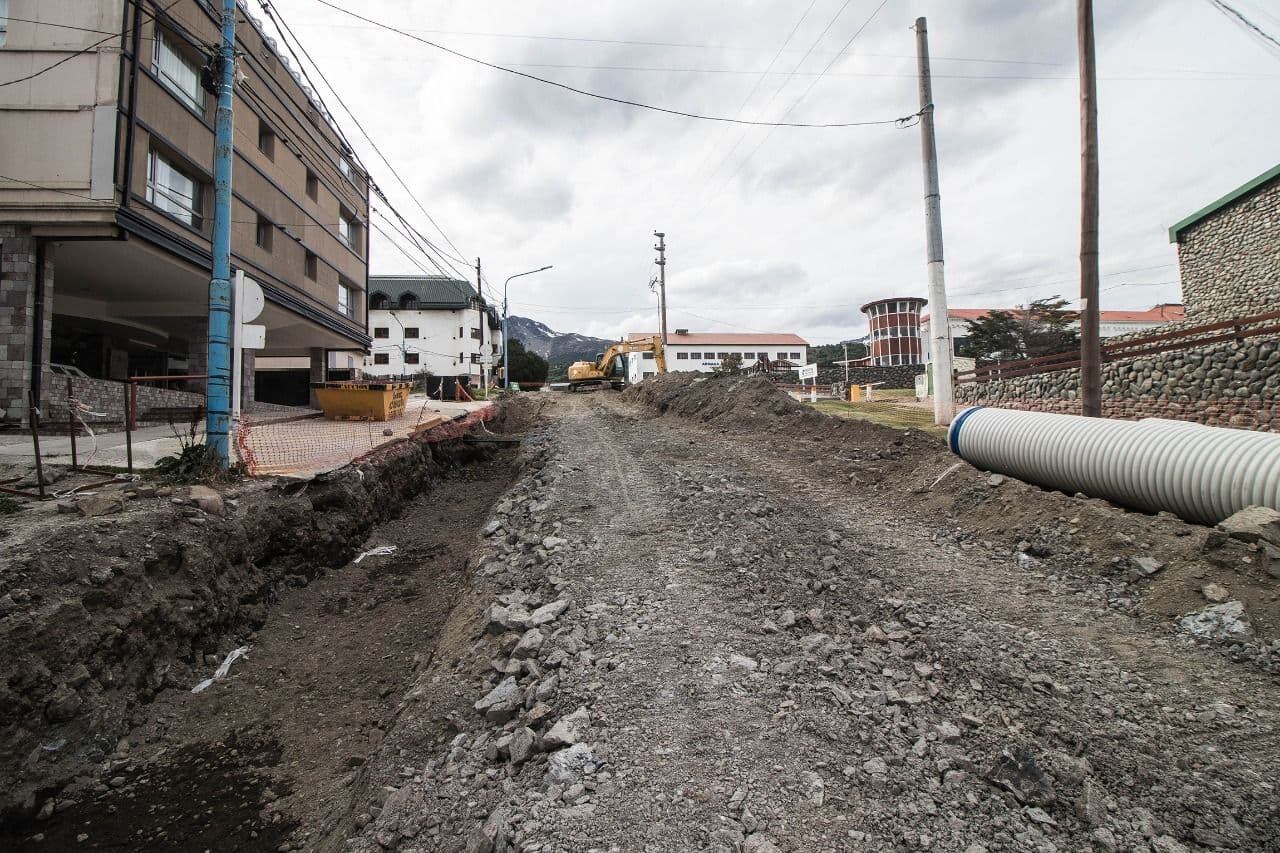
x,y
218,425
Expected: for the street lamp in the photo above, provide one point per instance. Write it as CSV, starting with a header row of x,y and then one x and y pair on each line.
x,y
506,346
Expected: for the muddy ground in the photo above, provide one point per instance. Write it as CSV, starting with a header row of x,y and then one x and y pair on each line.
x,y
705,617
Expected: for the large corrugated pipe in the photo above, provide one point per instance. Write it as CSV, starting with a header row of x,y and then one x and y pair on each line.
x,y
1200,473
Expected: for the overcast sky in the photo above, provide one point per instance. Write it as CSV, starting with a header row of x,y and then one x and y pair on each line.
x,y
793,229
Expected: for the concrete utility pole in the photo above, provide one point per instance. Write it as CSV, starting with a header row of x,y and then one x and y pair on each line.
x,y
218,385
484,362
846,362
506,338
1090,342
662,283
940,327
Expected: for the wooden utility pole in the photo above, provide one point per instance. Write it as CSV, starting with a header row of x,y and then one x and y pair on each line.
x,y
940,325
662,283
1090,344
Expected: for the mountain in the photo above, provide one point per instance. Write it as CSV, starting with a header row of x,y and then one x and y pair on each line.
x,y
555,347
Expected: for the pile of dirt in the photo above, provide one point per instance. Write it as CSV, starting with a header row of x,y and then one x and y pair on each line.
x,y
1156,566
518,412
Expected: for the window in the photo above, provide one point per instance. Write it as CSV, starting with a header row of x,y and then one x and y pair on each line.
x,y
312,266
475,334
347,171
696,356
647,356
411,332
178,73
722,355
795,355
462,357
346,299
682,356
381,332
174,191
313,185
349,230
411,358
748,356
263,235
381,358
475,358
408,301
378,301
266,140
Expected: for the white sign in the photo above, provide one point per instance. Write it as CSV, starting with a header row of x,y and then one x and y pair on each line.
x,y
253,336
249,298
808,371
486,358
249,302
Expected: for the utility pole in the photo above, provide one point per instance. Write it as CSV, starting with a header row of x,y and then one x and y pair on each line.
x,y
1090,343
846,362
483,313
218,384
662,283
940,328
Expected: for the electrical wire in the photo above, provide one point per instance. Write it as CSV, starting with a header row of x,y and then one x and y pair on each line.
x,y
624,101
81,52
282,26
1269,41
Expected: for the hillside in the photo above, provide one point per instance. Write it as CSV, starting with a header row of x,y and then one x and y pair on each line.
x,y
555,347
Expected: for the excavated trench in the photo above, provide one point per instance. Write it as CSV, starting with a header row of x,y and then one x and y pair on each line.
x,y
109,622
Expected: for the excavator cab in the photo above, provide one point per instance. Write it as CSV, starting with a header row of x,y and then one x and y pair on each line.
x,y
611,366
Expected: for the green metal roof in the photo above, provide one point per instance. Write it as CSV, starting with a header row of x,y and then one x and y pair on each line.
x,y
431,291
1234,195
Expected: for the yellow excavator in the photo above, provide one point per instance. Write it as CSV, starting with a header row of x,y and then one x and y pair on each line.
x,y
611,367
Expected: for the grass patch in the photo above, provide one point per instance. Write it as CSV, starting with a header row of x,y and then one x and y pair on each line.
x,y
10,506
885,413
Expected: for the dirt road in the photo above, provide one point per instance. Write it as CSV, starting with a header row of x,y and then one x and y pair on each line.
x,y
703,638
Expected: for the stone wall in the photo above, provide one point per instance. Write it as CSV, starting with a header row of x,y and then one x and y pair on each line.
x,y
895,376
1225,384
1230,260
106,396
17,308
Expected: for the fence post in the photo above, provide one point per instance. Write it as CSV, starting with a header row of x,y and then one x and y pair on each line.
x,y
128,424
34,418
71,425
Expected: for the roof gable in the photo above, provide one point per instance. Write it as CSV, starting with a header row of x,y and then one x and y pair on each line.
x,y
431,291
1231,197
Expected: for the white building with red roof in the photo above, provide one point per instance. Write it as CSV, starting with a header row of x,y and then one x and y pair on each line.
x,y
705,351
1110,323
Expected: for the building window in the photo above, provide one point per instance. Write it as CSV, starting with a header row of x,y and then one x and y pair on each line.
x,y
346,299
749,356
381,332
266,140
475,335
475,358
377,301
349,230
312,266
682,356
411,358
381,358
647,356
411,331
408,301
722,355
313,185
264,232
795,356
179,74
696,356
347,171
173,191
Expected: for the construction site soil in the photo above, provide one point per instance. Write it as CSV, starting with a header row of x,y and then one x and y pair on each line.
x,y
697,615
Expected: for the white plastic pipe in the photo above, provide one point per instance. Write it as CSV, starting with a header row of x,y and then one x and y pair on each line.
x,y
1200,473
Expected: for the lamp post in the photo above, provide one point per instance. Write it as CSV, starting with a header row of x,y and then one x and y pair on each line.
x,y
506,362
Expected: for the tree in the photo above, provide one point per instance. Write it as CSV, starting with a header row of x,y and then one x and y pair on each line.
x,y
731,363
526,366
1044,327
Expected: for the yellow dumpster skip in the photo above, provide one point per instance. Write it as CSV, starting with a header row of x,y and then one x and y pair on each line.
x,y
361,401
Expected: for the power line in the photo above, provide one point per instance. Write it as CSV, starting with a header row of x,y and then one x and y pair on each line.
x,y
610,98
282,26
1269,41
82,51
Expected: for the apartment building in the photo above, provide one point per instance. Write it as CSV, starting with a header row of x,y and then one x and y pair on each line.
x,y
704,352
106,194
431,323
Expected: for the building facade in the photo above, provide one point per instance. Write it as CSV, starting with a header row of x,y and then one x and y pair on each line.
x,y
434,324
1110,323
106,198
705,352
895,332
1229,253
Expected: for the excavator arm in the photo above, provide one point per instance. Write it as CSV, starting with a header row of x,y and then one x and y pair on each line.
x,y
584,372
